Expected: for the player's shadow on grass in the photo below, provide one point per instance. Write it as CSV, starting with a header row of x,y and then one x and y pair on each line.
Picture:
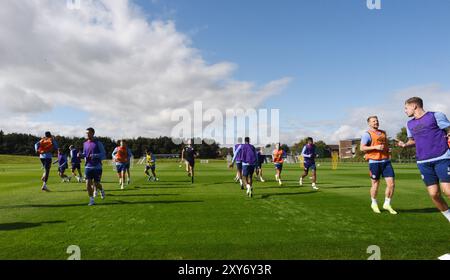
x,y
117,202
143,194
348,187
264,196
167,186
419,211
18,226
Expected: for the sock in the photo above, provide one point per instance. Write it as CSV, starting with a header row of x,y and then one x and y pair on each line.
x,y
374,201
248,186
387,201
240,182
447,214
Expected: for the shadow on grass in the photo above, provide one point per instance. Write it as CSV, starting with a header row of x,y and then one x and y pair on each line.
x,y
264,196
163,186
142,194
286,187
419,211
18,226
118,202
348,187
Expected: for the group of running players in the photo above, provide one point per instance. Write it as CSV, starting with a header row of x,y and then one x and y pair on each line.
x,y
429,132
249,160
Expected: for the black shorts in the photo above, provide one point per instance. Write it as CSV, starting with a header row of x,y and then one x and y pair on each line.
x,y
76,166
150,167
191,162
46,163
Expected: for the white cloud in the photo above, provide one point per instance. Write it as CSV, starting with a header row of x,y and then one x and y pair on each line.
x,y
108,60
389,111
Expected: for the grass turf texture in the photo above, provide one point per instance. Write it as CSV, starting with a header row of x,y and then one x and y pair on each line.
x,y
213,219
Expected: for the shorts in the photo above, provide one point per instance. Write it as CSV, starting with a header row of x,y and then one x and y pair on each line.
x,y
248,170
76,166
62,169
150,167
435,172
191,162
279,166
93,174
310,165
46,163
378,169
120,167
239,166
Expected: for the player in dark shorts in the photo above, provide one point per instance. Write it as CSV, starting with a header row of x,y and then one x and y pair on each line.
x,y
93,153
309,155
62,166
429,133
261,159
45,148
188,154
247,153
75,160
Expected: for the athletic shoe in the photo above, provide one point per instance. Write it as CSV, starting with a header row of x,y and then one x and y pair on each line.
x,y
389,208
375,208
91,202
314,187
261,179
122,187
279,182
102,193
44,188
300,182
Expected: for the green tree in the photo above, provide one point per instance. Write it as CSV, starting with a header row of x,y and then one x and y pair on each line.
x,y
322,148
402,154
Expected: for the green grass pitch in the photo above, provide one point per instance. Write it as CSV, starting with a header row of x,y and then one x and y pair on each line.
x,y
213,219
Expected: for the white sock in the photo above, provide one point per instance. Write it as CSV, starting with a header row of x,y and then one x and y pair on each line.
x,y
447,214
248,186
387,201
374,201
240,182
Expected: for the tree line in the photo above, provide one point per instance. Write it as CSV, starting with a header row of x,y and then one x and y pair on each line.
x,y
23,144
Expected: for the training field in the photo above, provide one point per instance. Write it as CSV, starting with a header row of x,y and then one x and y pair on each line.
x,y
213,219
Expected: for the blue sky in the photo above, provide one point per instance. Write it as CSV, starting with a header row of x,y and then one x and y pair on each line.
x,y
339,53
345,61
